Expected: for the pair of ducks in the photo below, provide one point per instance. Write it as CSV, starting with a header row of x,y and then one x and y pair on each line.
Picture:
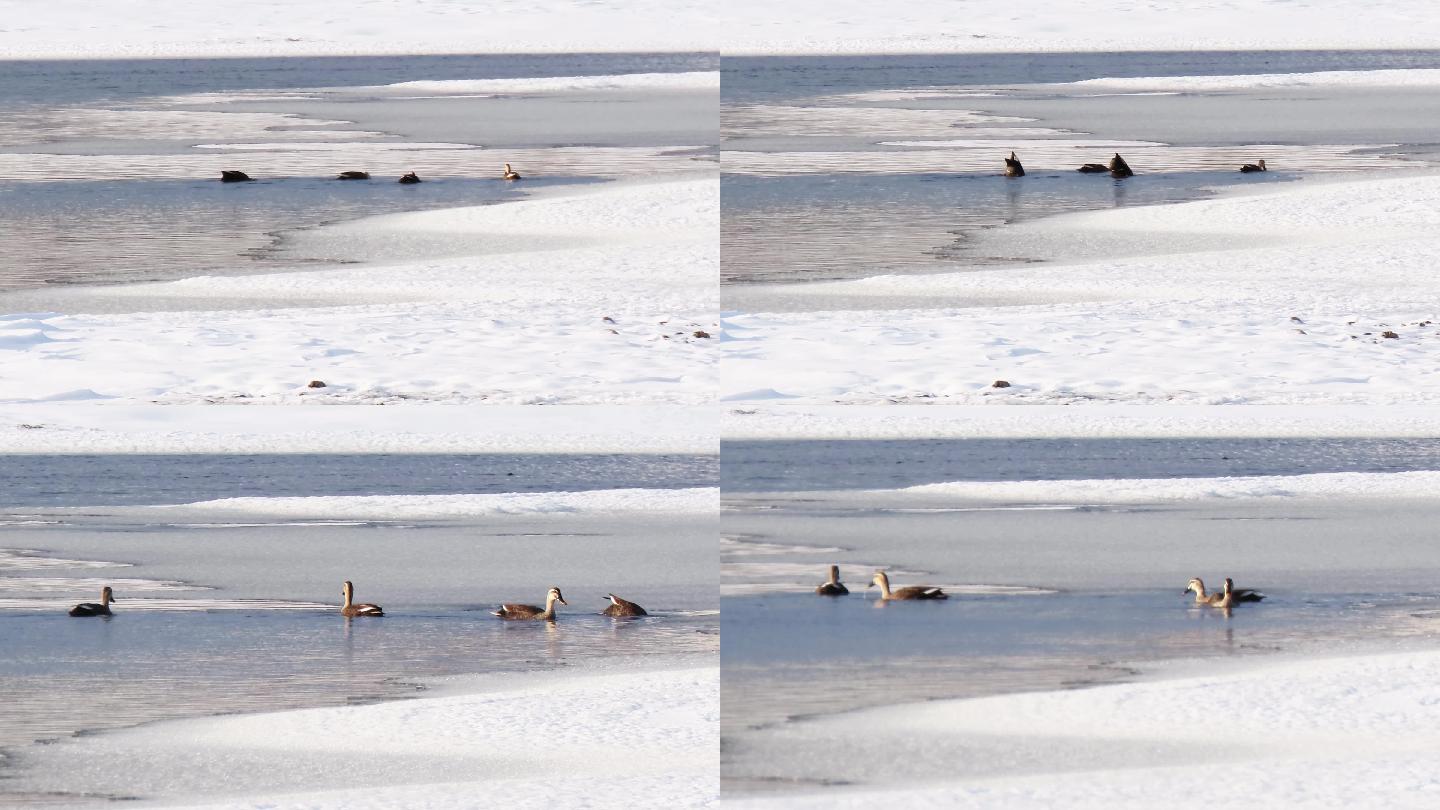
x,y
1226,599
834,587
1117,167
409,178
617,607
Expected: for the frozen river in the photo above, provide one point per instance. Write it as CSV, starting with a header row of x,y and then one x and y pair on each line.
x,y
1048,592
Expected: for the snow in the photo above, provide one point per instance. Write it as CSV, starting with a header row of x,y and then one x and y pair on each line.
x,y
1344,732
763,421
1413,77
694,80
696,500
591,296
1280,298
82,427
1166,490
989,26
597,739
139,29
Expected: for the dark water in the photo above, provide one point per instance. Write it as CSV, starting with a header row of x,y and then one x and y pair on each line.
x,y
115,480
142,230
104,81
770,78
789,466
853,227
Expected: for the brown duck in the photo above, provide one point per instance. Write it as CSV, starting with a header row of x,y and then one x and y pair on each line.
x,y
622,607
1119,168
511,611
351,609
93,609
1013,167
834,587
909,592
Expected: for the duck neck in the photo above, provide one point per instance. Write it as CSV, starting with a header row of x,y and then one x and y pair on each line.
x,y
884,586
834,575
349,597
549,608
105,598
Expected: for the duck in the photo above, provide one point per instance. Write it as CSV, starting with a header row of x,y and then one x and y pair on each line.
x,y
1093,168
409,178
1119,168
350,609
510,174
1257,166
92,609
622,607
910,592
530,611
1197,585
1232,597
234,176
834,586
1013,167
353,176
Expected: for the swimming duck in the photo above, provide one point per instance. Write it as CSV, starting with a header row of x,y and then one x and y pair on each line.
x,y
349,609
622,607
1257,166
1013,167
833,587
532,612
1197,585
510,174
410,178
233,176
909,592
1232,597
1119,168
1093,168
92,609
353,176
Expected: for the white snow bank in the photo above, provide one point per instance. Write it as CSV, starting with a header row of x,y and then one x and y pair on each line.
x,y
532,740
1414,77
698,500
1304,734
1041,421
231,28
51,428
1167,490
987,26
695,80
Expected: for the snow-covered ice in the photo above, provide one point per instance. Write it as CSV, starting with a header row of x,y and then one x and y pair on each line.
x,y
132,29
1347,732
628,737
989,26
78,427
699,500
832,422
1314,293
